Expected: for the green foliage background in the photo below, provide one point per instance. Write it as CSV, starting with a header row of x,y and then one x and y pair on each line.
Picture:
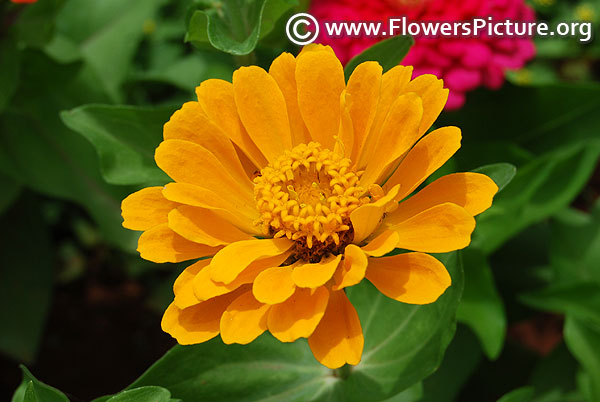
x,y
85,87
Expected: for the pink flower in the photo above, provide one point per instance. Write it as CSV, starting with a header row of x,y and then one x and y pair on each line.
x,y
464,63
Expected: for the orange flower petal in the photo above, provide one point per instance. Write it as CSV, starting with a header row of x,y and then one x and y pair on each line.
x,y
283,71
239,214
382,244
345,143
320,82
414,278
363,89
191,163
262,109
399,133
352,269
425,158
393,83
145,209
244,320
431,89
316,47
472,191
274,285
206,288
190,123
440,229
204,226
315,275
366,218
217,99
183,287
228,263
161,244
198,323
299,315
338,339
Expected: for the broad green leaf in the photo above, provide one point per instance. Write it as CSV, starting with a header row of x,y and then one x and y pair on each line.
x,y
580,299
125,138
403,344
107,33
235,26
62,49
481,307
9,73
524,394
388,53
501,173
187,72
575,245
143,394
461,359
539,189
32,388
412,394
36,25
30,395
26,279
264,369
536,118
583,340
585,386
38,151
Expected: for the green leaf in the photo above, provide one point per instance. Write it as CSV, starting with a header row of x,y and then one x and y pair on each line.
x,y
575,245
403,344
583,340
536,118
143,394
501,173
481,307
125,138
32,388
39,152
574,278
461,360
9,73
585,386
235,26
107,34
26,279
524,394
30,395
264,368
412,394
388,53
186,72
580,299
36,26
539,189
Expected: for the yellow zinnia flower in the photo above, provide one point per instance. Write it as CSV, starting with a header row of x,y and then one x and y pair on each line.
x,y
296,184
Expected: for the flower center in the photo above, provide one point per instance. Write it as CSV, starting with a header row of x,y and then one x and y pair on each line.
x,y
307,195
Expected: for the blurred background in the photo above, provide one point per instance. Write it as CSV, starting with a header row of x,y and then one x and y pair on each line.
x,y
82,311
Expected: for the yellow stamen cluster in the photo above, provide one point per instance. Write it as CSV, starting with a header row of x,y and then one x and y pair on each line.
x,y
309,192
